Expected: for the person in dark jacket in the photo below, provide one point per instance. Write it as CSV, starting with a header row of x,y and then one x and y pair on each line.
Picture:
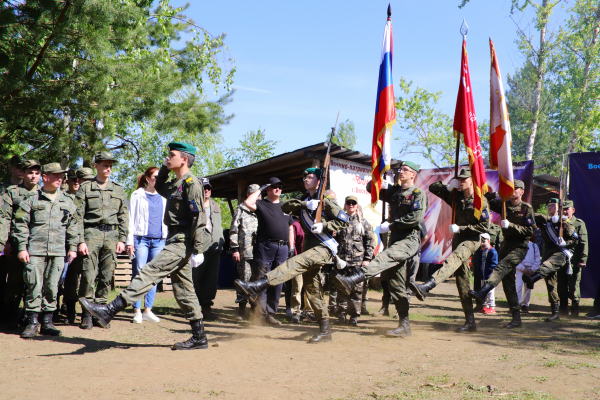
x,y
484,261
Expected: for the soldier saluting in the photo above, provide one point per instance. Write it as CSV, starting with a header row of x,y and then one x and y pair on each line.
x,y
185,219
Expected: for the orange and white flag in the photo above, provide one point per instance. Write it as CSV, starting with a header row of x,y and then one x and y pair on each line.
x,y
500,135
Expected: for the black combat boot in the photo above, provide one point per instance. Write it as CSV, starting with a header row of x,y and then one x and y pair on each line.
x,y
48,327
563,309
13,316
403,328
104,313
482,293
384,311
345,283
86,320
198,339
252,289
63,308
241,311
516,321
324,334
469,325
530,280
421,290
71,312
575,309
555,314
363,308
208,314
32,326
353,321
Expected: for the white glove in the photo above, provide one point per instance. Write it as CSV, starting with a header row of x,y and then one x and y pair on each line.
x,y
561,242
384,227
453,184
555,218
564,217
317,228
384,184
196,260
504,223
312,204
454,228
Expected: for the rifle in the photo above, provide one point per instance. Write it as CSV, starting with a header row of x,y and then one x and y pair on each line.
x,y
560,197
325,172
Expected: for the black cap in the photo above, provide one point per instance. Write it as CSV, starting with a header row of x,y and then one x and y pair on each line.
x,y
274,181
205,182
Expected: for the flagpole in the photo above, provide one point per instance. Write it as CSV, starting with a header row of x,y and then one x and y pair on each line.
x,y
382,192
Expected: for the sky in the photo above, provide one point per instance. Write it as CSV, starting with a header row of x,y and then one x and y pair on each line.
x,y
298,63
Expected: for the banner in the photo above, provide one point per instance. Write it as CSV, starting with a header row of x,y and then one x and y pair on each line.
x,y
584,177
438,244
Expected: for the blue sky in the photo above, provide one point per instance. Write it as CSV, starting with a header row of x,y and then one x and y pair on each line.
x,y
299,62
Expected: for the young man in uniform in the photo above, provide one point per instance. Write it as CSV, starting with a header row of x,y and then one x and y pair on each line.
x,y
568,285
517,228
466,241
44,230
318,249
16,174
102,219
185,219
408,205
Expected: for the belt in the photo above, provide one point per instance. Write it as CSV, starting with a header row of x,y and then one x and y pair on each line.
x,y
101,227
279,242
177,228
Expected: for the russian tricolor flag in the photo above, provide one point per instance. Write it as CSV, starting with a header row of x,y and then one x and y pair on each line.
x,y
385,115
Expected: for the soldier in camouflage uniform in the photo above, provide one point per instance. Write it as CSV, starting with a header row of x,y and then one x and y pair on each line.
x,y
496,237
44,226
185,219
357,249
242,235
517,229
408,205
315,253
14,281
467,232
4,224
568,285
556,253
16,174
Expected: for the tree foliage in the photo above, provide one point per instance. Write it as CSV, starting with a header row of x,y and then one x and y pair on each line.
x,y
345,135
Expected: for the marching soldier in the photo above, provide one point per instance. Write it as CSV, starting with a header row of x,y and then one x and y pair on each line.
x,y
318,249
44,226
408,205
568,285
557,253
466,240
517,228
102,219
185,219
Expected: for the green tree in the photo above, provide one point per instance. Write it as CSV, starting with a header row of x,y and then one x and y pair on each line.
x,y
345,135
253,147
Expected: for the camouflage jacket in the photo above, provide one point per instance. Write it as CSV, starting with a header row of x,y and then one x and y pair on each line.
x,y
495,233
570,236
242,232
356,241
580,252
96,206
44,227
522,223
13,197
4,223
407,211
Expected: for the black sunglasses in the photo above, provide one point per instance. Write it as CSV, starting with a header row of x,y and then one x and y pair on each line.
x,y
351,203
278,186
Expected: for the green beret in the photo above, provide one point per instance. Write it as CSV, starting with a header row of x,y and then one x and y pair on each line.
x,y
31,164
180,146
519,184
314,171
464,173
553,200
104,156
568,203
410,165
53,168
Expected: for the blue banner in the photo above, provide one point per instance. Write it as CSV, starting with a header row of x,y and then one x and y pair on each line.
x,y
584,190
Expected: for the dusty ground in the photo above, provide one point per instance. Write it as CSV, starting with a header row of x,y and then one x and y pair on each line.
x,y
540,361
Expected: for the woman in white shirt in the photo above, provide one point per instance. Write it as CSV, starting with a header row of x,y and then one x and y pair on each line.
x,y
147,235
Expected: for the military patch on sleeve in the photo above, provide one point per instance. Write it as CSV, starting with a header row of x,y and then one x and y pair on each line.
x,y
575,235
484,215
529,221
193,207
416,205
343,216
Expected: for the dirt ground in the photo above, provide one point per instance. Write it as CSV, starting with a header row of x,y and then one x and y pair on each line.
x,y
540,361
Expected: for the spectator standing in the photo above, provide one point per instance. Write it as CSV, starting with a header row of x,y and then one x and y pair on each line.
x,y
274,237
147,235
242,236
485,260
528,266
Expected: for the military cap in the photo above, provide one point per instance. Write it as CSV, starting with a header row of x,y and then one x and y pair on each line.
x,y
252,188
180,146
104,156
519,184
568,203
351,198
315,171
17,160
553,200
410,165
85,173
72,174
31,164
205,182
464,173
53,168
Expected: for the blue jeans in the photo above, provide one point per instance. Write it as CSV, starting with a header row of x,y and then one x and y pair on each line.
x,y
145,250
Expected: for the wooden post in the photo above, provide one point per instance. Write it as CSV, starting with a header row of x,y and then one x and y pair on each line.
x,y
230,207
241,191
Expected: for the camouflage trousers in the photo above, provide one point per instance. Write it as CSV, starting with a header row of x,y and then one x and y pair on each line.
x,y
99,264
244,270
391,263
549,271
41,277
351,304
506,273
72,280
309,264
457,263
174,259
568,285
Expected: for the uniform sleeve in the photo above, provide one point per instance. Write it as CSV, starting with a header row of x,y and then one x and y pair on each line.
x,y
123,217
568,236
72,232
80,204
336,217
368,242
21,221
522,230
540,219
494,203
415,216
441,190
195,199
233,229
582,247
4,224
293,206
161,180
499,238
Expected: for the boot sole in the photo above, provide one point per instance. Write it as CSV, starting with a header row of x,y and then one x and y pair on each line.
x,y
340,285
416,291
50,333
473,295
395,335
250,296
319,341
99,320
201,347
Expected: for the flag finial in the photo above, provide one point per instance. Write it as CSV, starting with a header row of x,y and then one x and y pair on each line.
x,y
389,10
464,29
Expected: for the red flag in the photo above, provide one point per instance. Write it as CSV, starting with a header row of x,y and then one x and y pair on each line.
x,y
465,123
